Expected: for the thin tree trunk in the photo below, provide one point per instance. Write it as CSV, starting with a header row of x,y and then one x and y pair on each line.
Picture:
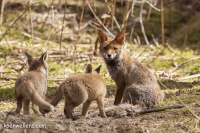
x,y
162,22
1,11
125,15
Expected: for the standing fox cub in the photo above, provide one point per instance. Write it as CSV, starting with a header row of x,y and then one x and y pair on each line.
x,y
81,88
135,82
32,86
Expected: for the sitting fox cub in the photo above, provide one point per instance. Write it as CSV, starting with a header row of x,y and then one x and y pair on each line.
x,y
32,86
135,82
81,88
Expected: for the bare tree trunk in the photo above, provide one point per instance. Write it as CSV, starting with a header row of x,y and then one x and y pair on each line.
x,y
1,11
125,15
162,22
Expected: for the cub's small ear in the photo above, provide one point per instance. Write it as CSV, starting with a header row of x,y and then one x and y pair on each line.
x,y
120,38
44,57
102,37
29,57
88,68
98,69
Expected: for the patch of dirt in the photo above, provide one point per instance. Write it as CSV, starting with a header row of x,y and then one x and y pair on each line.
x,y
173,120
61,124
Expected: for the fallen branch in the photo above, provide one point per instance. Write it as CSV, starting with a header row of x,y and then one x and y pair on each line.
x,y
191,76
5,78
159,109
131,110
183,63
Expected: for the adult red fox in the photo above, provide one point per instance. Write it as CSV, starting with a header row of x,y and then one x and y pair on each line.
x,y
135,82
81,88
32,85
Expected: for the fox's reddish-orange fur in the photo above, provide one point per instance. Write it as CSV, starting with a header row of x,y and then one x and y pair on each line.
x,y
135,82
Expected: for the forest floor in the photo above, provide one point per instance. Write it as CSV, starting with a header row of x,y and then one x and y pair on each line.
x,y
179,86
177,70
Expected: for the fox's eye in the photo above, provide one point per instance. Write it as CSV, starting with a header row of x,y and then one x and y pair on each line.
x,y
105,48
115,48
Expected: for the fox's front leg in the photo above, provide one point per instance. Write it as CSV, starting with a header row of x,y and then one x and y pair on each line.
x,y
119,94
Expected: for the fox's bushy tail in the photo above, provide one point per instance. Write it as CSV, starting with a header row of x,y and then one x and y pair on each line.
x,y
34,97
57,96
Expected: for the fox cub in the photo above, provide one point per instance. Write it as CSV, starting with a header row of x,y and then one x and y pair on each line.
x,y
32,86
135,82
81,88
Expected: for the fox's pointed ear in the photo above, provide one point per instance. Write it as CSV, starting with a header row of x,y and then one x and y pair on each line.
x,y
29,57
120,38
44,57
88,68
102,37
98,69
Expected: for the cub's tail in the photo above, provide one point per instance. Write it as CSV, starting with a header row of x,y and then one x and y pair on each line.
x,y
34,97
57,96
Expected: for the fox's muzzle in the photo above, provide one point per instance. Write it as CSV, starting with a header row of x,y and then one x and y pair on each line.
x,y
109,56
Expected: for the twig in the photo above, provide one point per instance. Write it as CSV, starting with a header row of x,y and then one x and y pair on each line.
x,y
11,49
143,51
22,61
185,40
142,26
53,17
191,76
14,23
31,21
81,18
99,20
188,108
149,13
153,6
62,26
130,98
132,7
159,109
47,41
154,40
7,78
180,100
183,63
56,79
113,17
170,50
145,1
